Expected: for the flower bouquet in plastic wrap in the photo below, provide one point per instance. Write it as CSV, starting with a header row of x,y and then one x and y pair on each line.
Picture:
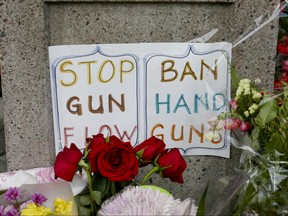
x,y
54,198
259,124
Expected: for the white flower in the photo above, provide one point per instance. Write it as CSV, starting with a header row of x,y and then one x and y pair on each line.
x,y
145,201
252,108
246,91
256,96
212,135
244,81
244,86
257,81
220,125
212,121
239,91
246,113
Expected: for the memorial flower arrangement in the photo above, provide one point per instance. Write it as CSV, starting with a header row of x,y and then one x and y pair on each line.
x,y
111,164
23,204
259,124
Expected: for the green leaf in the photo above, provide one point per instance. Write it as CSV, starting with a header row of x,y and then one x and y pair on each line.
x,y
99,183
268,111
254,137
84,211
201,206
84,200
107,189
275,142
285,105
140,153
235,79
97,196
245,199
286,91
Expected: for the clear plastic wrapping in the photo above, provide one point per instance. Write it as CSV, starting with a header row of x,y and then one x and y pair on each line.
x,y
258,122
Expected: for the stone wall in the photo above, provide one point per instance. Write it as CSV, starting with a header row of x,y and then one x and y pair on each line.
x,y
29,27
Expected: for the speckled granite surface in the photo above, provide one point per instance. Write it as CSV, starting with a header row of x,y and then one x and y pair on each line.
x,y
26,81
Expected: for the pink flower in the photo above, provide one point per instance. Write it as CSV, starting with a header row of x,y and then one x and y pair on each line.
x,y
236,124
45,175
228,124
232,124
245,126
233,103
285,65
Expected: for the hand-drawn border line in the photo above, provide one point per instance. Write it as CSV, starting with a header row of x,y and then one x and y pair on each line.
x,y
53,76
192,49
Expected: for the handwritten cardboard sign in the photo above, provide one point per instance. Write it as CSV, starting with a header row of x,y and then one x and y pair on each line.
x,y
134,91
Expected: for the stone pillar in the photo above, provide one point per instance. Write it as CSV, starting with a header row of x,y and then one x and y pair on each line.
x,y
30,26
26,85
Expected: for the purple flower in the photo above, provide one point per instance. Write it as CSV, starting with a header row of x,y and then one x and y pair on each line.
x,y
12,212
38,199
9,211
12,194
1,210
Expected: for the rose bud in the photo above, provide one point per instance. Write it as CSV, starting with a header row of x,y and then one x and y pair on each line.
x,y
66,162
149,150
174,165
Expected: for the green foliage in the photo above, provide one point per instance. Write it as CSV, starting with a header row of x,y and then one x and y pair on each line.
x,y
84,200
267,113
83,211
235,79
101,184
266,192
97,196
201,206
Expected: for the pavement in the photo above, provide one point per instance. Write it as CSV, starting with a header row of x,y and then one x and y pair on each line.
x,y
3,164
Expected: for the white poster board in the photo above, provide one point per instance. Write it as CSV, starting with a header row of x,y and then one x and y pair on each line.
x,y
134,91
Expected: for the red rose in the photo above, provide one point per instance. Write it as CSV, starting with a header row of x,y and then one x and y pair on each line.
x,y
96,146
66,162
282,49
175,163
151,148
118,162
282,46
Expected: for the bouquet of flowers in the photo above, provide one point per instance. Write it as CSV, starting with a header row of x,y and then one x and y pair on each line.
x,y
111,164
259,121
38,199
